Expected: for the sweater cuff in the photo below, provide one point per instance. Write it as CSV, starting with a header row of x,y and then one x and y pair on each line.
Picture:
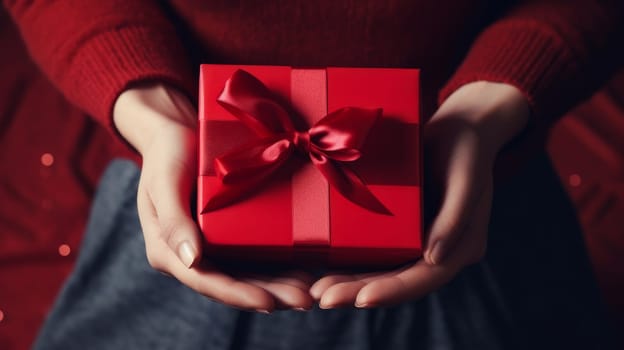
x,y
526,55
109,62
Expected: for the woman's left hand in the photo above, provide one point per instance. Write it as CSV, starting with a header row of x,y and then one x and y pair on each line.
x,y
462,141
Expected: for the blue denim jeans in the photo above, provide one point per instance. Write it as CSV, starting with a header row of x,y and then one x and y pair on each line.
x,y
533,290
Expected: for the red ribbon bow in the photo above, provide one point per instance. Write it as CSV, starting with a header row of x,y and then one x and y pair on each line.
x,y
333,140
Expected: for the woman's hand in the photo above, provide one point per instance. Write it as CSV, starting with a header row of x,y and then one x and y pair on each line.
x,y
159,122
462,141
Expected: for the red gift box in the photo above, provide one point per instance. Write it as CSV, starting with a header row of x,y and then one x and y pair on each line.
x,y
291,213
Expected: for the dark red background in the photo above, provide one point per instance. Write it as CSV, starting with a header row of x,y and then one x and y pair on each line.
x,y
51,156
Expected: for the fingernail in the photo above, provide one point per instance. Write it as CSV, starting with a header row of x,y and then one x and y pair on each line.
x,y
437,252
362,305
263,311
187,254
302,309
326,306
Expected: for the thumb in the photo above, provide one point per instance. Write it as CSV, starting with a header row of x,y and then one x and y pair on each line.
x,y
459,199
170,194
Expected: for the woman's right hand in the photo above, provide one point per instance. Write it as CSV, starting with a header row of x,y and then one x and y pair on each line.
x,y
159,122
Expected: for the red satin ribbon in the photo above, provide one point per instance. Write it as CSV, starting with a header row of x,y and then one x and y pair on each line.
x,y
332,141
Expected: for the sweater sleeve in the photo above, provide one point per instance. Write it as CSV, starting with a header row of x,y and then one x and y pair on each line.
x,y
557,52
93,50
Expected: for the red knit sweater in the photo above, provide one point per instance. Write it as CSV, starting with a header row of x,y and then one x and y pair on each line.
x,y
555,51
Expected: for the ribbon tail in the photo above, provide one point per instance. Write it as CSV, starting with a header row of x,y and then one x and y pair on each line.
x,y
350,185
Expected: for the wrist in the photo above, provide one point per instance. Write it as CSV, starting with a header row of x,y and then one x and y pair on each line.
x,y
497,111
141,111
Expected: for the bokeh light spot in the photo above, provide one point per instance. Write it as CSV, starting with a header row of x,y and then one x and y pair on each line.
x,y
64,250
575,180
47,159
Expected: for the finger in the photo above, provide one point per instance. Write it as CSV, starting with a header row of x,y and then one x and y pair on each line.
x,y
146,211
345,288
413,283
149,226
319,287
286,295
296,278
459,199
214,284
182,236
473,244
290,288
341,294
170,192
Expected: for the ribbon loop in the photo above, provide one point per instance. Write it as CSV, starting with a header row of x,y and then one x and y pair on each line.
x,y
333,140
249,100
